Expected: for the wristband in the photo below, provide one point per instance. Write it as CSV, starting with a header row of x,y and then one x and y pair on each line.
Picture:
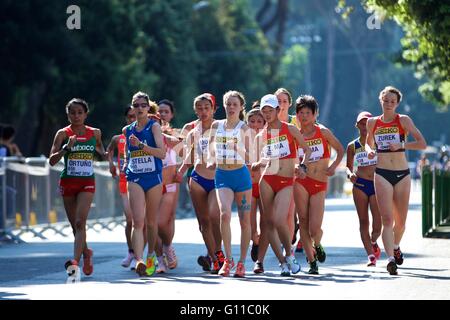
x,y
65,148
141,145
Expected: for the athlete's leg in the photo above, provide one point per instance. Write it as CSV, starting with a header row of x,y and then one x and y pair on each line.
x,y
281,208
199,199
225,198
376,218
362,208
401,204
136,197
301,197
214,216
152,201
243,201
84,201
385,194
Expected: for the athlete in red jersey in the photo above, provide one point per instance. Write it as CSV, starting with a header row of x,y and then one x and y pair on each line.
x,y
276,148
77,143
386,138
310,192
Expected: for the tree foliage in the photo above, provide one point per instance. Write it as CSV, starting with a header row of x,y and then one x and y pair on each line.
x,y
426,41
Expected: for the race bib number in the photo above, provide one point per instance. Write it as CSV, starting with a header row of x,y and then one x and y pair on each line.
x,y
277,148
317,150
384,137
203,144
141,162
363,161
80,164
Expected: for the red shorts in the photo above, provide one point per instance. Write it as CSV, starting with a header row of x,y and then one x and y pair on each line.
x,y
169,188
312,186
277,183
255,190
69,187
123,184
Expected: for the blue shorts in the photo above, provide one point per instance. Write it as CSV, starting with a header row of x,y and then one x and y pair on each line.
x,y
207,184
366,186
238,180
146,181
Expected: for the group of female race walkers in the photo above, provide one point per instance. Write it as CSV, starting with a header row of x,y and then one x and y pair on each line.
x,y
265,161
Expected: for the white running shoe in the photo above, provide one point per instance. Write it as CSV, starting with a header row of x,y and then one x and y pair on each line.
x,y
285,270
133,265
293,264
127,260
169,251
162,268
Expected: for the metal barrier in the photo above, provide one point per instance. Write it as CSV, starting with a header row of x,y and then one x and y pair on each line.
x,y
435,216
29,198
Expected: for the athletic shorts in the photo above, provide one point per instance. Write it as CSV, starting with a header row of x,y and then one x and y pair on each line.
x,y
69,187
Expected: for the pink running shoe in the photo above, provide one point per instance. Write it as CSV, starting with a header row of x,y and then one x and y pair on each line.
x,y
227,266
169,251
88,263
372,261
240,270
376,250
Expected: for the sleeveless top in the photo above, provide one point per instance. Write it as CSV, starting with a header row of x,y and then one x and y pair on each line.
x,y
279,144
79,161
201,144
361,158
386,133
121,153
171,157
228,142
138,161
319,146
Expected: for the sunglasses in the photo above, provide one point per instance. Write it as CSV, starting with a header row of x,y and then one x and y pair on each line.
x,y
140,105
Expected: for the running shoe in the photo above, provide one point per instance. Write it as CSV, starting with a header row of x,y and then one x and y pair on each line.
x,y
169,251
258,268
254,252
320,253
313,267
294,266
133,265
162,268
71,267
392,268
299,247
127,260
216,267
398,255
88,263
227,266
204,262
285,272
141,268
150,265
240,270
372,261
376,250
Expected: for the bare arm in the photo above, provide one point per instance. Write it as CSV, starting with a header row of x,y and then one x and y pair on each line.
x,y
160,150
99,146
211,159
301,142
419,142
336,145
110,154
350,158
56,152
370,139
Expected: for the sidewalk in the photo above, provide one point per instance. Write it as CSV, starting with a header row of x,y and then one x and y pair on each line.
x,y
35,270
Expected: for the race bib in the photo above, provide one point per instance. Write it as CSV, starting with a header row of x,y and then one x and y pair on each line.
x,y
276,148
141,162
80,164
384,137
317,150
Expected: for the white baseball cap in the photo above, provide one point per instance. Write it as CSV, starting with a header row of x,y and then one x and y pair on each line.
x,y
269,100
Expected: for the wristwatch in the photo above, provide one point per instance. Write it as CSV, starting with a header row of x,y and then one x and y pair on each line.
x,y
141,145
65,148
304,167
